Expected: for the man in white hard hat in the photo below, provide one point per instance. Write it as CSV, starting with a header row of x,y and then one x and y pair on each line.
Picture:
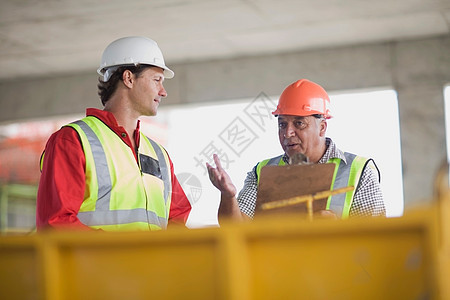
x,y
302,111
101,172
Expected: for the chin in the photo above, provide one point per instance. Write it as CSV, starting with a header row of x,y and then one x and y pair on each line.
x,y
293,153
289,153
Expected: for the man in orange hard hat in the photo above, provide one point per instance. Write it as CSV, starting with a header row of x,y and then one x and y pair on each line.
x,y
302,111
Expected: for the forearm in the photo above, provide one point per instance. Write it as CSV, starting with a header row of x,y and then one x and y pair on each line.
x,y
58,209
229,209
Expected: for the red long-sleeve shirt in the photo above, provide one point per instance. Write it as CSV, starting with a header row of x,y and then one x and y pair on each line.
x,y
62,182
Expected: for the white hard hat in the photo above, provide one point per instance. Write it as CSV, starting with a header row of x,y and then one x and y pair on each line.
x,y
132,50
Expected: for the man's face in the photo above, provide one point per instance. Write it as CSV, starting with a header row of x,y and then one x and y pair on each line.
x,y
148,91
304,135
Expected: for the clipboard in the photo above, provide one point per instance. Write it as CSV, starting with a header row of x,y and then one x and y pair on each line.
x,y
283,182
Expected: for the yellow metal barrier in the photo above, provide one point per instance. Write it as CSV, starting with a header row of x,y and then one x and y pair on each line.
x,y
269,258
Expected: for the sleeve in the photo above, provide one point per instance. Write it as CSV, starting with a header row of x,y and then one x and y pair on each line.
x,y
368,198
62,182
247,196
180,207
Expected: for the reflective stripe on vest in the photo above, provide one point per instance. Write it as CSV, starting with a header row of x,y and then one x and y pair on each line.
x,y
142,202
165,172
344,175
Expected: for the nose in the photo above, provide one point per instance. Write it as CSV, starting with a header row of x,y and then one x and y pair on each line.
x,y
162,92
289,131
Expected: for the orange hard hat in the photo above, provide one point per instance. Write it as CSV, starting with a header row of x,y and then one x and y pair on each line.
x,y
303,98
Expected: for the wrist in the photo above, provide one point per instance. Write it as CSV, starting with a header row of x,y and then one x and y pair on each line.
x,y
227,194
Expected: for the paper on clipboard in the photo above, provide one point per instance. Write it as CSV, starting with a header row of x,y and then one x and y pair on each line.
x,y
284,182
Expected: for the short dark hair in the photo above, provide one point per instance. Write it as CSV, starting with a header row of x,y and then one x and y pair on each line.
x,y
106,89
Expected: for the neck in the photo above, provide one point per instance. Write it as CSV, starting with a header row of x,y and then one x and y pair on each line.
x,y
125,117
321,149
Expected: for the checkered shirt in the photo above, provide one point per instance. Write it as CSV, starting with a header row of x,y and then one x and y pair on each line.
x,y
367,201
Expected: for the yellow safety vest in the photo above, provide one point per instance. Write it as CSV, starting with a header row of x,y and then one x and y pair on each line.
x,y
345,174
119,193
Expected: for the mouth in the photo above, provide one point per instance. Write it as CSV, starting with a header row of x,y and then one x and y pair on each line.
x,y
293,146
157,100
291,143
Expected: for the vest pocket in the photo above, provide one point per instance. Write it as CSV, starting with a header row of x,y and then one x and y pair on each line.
x,y
150,166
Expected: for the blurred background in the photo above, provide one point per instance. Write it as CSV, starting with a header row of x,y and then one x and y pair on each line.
x,y
385,64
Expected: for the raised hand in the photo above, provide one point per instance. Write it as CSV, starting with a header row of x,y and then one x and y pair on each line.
x,y
220,178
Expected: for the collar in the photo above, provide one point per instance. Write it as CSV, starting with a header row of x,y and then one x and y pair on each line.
x,y
331,152
110,120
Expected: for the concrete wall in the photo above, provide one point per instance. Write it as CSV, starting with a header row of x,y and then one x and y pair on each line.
x,y
417,69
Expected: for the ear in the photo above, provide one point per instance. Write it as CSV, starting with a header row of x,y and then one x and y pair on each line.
x,y
323,127
128,78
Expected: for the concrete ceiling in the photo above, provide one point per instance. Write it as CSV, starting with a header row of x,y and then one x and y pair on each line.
x,y
48,37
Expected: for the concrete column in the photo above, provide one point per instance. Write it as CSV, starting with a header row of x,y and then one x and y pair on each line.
x,y
422,127
419,78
